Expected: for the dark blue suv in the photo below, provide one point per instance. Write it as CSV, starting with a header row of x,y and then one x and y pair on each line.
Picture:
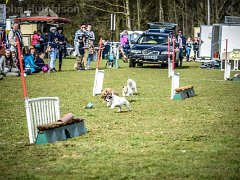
x,y
150,48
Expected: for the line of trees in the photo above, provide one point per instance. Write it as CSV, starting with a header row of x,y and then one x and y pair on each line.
x,y
135,14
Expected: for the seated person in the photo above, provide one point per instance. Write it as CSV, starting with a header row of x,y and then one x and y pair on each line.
x,y
40,62
7,66
14,58
29,64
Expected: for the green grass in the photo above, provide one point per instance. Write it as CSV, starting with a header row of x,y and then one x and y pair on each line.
x,y
197,138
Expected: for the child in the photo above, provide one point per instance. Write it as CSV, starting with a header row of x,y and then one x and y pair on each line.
x,y
90,54
29,64
40,62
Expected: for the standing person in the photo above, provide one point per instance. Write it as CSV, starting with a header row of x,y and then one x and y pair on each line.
x,y
61,45
43,41
90,54
36,41
124,45
189,44
181,40
195,48
90,49
12,37
52,46
79,46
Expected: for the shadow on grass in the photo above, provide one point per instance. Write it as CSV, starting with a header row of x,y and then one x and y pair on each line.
x,y
125,111
161,67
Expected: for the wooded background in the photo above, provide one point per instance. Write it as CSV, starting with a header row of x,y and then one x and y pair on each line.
x,y
133,14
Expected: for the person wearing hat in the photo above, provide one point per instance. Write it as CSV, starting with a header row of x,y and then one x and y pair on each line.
x,y
79,40
61,45
52,46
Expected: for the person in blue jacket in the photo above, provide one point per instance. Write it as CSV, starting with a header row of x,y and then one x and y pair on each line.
x,y
29,64
52,46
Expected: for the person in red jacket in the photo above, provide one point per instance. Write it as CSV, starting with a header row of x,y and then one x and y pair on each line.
x,y
36,41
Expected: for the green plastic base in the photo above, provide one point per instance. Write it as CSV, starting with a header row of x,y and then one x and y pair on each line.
x,y
236,79
61,133
184,94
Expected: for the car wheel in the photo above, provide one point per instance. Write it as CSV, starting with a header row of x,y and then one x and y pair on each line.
x,y
140,64
131,63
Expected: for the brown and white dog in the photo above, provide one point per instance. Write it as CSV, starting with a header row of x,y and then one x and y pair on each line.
x,y
107,91
132,84
127,91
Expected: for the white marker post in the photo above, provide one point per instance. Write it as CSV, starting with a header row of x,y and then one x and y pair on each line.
x,y
99,75
227,71
175,83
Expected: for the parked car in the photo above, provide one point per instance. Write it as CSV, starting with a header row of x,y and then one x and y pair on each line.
x,y
151,48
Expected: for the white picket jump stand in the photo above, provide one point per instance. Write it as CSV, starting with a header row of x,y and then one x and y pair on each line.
x,y
175,83
227,71
98,82
41,111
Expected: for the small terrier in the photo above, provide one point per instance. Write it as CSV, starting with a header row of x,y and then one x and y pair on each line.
x,y
106,92
132,84
116,101
127,91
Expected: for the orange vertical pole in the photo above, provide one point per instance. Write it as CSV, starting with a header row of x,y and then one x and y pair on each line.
x,y
21,69
99,53
173,54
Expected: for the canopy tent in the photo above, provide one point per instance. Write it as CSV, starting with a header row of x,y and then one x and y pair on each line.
x,y
42,19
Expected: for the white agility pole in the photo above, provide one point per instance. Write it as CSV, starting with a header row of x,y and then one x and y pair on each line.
x,y
227,70
99,75
175,83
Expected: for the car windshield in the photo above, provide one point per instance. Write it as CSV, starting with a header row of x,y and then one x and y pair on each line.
x,y
152,39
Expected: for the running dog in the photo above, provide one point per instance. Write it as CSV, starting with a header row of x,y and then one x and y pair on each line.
x,y
127,91
132,85
116,101
107,91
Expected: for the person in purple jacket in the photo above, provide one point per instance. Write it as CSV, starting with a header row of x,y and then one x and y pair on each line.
x,y
124,45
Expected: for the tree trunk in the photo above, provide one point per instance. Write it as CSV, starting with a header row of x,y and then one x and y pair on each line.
x,y
138,15
128,15
161,16
175,12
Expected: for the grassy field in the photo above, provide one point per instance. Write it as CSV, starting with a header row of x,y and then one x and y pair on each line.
x,y
197,138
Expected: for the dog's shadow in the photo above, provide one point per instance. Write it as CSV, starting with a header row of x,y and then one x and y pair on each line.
x,y
125,111
132,100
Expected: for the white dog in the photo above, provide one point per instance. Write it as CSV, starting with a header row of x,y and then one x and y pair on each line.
x,y
132,84
116,101
127,91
